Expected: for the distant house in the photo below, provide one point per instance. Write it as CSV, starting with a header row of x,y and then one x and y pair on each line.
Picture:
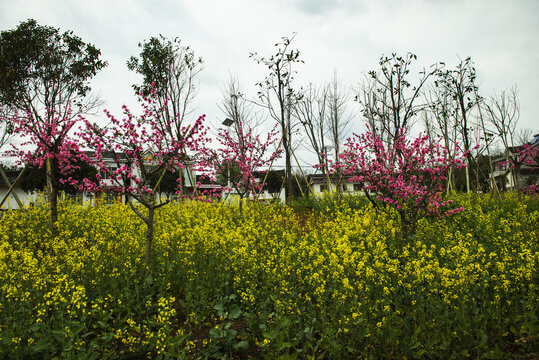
x,y
108,193
320,183
273,189
506,178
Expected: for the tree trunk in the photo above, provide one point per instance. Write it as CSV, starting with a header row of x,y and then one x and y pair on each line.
x,y
404,226
54,211
467,176
149,237
516,175
52,197
241,206
289,180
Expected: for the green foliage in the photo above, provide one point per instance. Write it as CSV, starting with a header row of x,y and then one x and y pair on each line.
x,y
479,175
34,179
227,174
274,181
166,64
227,339
39,61
299,185
169,182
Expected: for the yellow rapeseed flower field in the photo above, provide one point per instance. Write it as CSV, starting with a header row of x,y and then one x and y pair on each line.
x,y
340,283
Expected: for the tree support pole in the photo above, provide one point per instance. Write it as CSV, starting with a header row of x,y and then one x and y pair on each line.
x,y
12,186
302,173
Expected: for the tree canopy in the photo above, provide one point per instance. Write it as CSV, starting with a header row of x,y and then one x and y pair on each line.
x,y
41,67
169,69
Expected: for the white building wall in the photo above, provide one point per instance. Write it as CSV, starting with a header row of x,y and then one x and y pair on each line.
x,y
25,198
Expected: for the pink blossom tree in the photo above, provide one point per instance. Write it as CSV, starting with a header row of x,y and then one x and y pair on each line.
x,y
48,141
407,178
143,149
241,154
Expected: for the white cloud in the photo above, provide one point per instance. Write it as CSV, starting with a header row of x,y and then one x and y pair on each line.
x,y
344,35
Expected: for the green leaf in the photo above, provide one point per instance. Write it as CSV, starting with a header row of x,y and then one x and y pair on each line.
x,y
220,308
285,345
215,333
234,313
244,344
41,345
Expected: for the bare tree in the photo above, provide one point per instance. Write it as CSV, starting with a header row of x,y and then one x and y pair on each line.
x,y
311,111
503,112
239,116
489,140
440,120
277,95
244,149
389,101
236,107
339,119
523,136
444,115
460,83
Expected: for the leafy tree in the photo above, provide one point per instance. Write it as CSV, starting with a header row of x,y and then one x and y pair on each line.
x,y
45,69
168,183
171,69
45,80
274,181
301,187
6,128
6,134
35,178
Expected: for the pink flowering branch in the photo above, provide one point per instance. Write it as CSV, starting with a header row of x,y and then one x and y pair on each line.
x,y
242,154
142,149
47,141
46,138
525,156
407,178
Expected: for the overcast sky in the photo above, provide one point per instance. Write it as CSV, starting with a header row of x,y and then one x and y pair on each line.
x,y
342,35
